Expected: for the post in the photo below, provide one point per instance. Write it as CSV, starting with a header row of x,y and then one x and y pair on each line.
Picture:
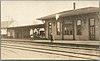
x,y
74,7
62,31
73,31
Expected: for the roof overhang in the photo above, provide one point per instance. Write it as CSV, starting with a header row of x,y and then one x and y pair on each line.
x,y
72,12
28,26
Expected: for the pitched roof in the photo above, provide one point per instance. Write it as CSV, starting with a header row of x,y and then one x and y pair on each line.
x,y
29,26
72,12
5,24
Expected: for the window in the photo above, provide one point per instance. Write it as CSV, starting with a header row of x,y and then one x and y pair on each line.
x,y
49,25
91,22
79,24
68,29
58,28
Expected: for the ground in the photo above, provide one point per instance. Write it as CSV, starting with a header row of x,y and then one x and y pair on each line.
x,y
25,50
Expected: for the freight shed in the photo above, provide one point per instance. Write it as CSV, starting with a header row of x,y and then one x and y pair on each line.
x,y
30,31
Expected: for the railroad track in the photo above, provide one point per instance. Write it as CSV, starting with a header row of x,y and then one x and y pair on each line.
x,y
52,45
77,52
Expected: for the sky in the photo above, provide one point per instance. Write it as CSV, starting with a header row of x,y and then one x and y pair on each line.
x,y
26,12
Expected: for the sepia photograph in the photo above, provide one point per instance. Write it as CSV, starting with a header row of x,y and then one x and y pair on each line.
x,y
50,30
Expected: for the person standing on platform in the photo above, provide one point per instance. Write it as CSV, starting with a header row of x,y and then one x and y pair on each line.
x,y
51,37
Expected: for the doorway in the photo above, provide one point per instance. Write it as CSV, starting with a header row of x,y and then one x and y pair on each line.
x,y
68,30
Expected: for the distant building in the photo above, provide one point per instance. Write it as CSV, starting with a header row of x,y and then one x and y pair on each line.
x,y
77,24
4,26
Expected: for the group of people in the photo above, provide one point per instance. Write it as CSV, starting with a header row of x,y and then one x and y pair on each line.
x,y
51,36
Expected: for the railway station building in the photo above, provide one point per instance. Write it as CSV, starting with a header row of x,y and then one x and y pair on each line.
x,y
76,24
29,31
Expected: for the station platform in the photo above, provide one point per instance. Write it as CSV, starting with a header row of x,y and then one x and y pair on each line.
x,y
80,42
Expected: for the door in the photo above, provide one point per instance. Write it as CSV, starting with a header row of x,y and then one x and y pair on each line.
x,y
91,29
68,30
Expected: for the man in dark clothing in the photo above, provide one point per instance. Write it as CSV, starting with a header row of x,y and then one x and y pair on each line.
x,y
51,37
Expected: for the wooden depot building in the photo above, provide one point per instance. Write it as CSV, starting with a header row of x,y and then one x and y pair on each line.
x,y
76,24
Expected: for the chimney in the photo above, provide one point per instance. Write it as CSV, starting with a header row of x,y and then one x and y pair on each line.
x,y
74,6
